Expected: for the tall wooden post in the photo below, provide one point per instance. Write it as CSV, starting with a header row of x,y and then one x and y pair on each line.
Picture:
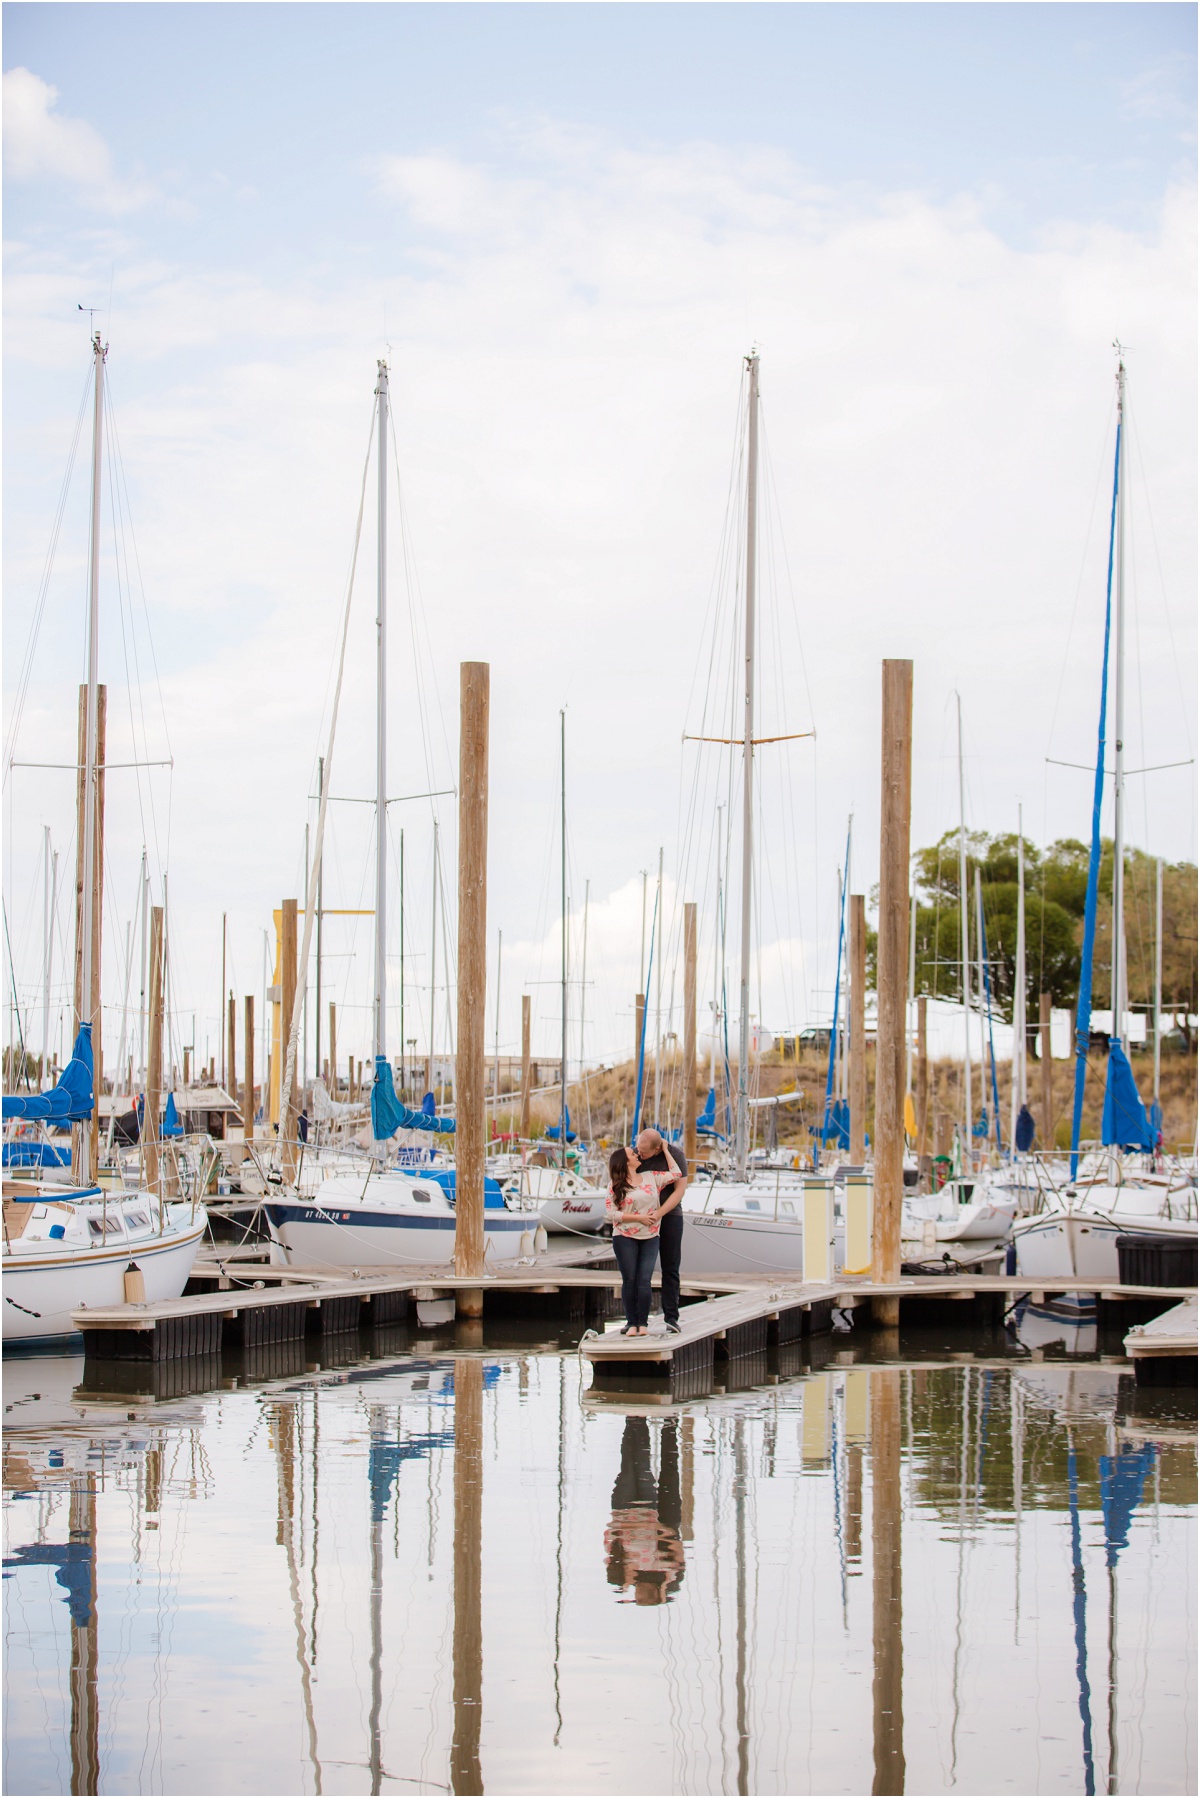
x,y
858,1027
887,1687
892,980
87,1006
333,1071
689,1033
230,1069
1047,1071
922,1075
289,1109
149,1132
470,1068
526,1030
248,1086
465,1772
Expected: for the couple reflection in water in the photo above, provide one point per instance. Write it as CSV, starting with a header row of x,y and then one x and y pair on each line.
x,y
643,1546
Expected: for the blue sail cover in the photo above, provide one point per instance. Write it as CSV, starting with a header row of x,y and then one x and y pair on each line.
x,y
836,1127
387,1113
1125,1124
171,1125
447,1179
552,1131
1025,1130
70,1102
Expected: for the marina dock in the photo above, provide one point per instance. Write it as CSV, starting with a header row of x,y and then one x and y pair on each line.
x,y
724,1316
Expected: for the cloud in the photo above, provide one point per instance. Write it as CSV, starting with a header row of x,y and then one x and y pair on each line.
x,y
567,336
41,144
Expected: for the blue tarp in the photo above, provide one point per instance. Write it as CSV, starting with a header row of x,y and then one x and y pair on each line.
x,y
69,1102
387,1113
1125,1124
35,1154
171,1125
493,1198
1025,1130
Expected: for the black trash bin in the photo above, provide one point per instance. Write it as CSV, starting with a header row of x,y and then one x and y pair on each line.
x,y
1156,1260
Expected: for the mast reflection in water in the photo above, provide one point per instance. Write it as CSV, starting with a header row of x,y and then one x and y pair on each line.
x,y
435,1571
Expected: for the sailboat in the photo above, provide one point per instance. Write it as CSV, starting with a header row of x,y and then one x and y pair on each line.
x,y
747,1220
68,1247
1077,1232
385,1214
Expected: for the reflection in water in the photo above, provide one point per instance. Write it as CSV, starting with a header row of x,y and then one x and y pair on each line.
x,y
643,1547
171,1553
887,1636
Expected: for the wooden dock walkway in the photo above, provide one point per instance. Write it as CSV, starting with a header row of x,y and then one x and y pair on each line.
x,y
251,1301
1163,1351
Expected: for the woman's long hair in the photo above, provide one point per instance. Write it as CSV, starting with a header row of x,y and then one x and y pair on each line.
x,y
618,1173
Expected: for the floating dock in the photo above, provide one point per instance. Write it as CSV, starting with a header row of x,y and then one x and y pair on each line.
x,y
1163,1351
250,1302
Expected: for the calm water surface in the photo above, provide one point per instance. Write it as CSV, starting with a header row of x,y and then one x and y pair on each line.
x,y
448,1567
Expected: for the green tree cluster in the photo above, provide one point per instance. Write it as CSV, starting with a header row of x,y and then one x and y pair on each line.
x,y
1055,896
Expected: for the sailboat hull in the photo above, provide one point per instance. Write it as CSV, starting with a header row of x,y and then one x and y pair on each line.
x,y
41,1292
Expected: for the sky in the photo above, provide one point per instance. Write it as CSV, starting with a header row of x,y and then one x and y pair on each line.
x,y
564,227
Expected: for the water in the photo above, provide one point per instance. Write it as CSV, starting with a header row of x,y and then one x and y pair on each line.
x,y
444,1567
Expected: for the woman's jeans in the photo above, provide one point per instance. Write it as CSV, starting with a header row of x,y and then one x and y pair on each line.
x,y
636,1258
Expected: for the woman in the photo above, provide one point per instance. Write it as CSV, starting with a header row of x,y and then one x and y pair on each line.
x,y
632,1205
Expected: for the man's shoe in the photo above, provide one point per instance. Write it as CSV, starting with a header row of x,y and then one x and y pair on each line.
x,y
672,1329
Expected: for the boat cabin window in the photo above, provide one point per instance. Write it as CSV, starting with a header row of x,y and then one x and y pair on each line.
x,y
137,1218
422,1198
753,1205
788,1207
965,1192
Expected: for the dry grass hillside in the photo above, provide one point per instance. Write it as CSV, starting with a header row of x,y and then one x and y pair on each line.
x,y
604,1108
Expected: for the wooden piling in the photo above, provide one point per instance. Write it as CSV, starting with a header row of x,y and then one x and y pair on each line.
x,y
1047,1131
689,1034
248,1087
858,1027
892,980
230,1070
887,1518
470,1068
465,1772
526,1030
154,1046
922,1076
289,1109
187,1065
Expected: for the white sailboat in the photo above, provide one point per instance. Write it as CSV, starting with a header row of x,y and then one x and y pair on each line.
x,y
67,1247
378,1214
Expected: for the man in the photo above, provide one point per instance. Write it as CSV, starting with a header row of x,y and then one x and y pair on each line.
x,y
652,1155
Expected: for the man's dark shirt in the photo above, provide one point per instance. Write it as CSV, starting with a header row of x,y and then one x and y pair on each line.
x,y
658,1164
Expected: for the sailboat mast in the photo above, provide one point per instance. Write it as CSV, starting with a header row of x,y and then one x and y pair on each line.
x,y
1118,909
48,938
562,752
381,394
1018,1008
90,897
1158,946
742,1140
981,989
964,944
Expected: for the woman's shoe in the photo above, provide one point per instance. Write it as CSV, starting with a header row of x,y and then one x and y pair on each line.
x,y
627,1329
